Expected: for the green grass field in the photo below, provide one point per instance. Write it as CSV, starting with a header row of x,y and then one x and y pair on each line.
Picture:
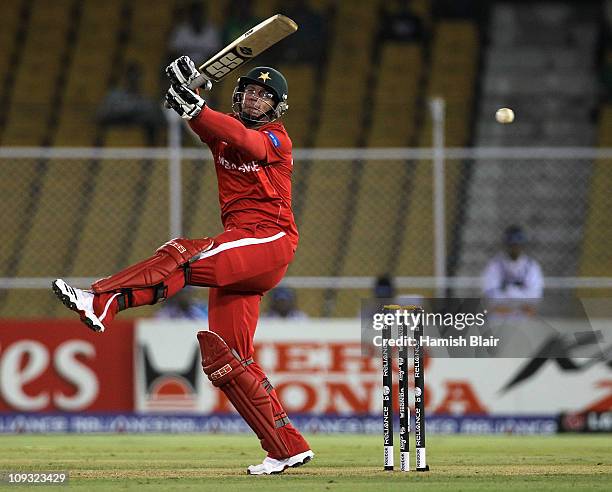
x,y
342,463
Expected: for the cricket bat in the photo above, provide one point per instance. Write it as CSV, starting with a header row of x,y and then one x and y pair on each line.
x,y
253,42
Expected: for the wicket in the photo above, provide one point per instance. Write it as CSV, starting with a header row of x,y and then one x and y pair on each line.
x,y
404,408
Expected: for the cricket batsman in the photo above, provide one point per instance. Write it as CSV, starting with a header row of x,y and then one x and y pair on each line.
x,y
253,161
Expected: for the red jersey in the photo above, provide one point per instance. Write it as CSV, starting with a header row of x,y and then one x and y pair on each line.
x,y
253,170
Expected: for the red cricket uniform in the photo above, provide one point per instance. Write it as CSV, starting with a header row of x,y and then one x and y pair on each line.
x,y
251,256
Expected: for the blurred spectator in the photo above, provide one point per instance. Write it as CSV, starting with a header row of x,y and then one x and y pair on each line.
x,y
383,292
306,44
512,281
384,288
400,23
183,305
195,36
240,19
127,105
283,304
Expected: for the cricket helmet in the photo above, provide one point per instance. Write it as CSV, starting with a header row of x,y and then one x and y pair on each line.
x,y
273,81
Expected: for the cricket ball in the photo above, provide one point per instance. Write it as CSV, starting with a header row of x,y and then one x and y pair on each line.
x,y
504,115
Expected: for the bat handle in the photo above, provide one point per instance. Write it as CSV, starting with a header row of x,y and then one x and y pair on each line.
x,y
201,81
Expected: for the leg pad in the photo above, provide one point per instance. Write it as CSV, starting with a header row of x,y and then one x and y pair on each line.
x,y
247,394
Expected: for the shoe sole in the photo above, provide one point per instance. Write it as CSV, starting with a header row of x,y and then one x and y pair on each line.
x,y
66,301
301,463
278,472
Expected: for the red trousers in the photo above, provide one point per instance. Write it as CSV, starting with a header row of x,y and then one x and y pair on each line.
x,y
242,265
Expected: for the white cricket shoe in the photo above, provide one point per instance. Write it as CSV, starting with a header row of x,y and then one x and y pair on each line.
x,y
80,301
272,466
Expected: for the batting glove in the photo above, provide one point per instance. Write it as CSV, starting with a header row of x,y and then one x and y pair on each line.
x,y
183,71
186,102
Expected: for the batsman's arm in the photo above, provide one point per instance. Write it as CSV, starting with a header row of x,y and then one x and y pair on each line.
x,y
223,127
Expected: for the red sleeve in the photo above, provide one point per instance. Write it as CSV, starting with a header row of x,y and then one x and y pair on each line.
x,y
211,124
278,144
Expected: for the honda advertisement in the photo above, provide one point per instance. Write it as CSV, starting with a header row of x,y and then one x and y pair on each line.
x,y
146,375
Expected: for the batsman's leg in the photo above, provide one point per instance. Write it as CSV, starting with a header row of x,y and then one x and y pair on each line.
x,y
233,316
147,282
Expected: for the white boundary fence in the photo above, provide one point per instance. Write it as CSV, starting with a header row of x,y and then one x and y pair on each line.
x,y
345,282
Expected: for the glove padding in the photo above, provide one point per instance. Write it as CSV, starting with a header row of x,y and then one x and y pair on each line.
x,y
182,71
186,102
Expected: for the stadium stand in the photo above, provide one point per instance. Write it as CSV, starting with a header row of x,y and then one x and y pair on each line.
x,y
145,192
200,184
452,75
303,91
350,53
16,200
43,253
396,95
566,75
89,73
99,54
46,46
378,197
11,27
115,192
139,36
146,46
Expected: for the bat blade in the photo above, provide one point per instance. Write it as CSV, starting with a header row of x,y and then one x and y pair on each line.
x,y
253,42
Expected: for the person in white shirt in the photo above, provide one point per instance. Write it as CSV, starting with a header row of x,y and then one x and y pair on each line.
x,y
512,281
